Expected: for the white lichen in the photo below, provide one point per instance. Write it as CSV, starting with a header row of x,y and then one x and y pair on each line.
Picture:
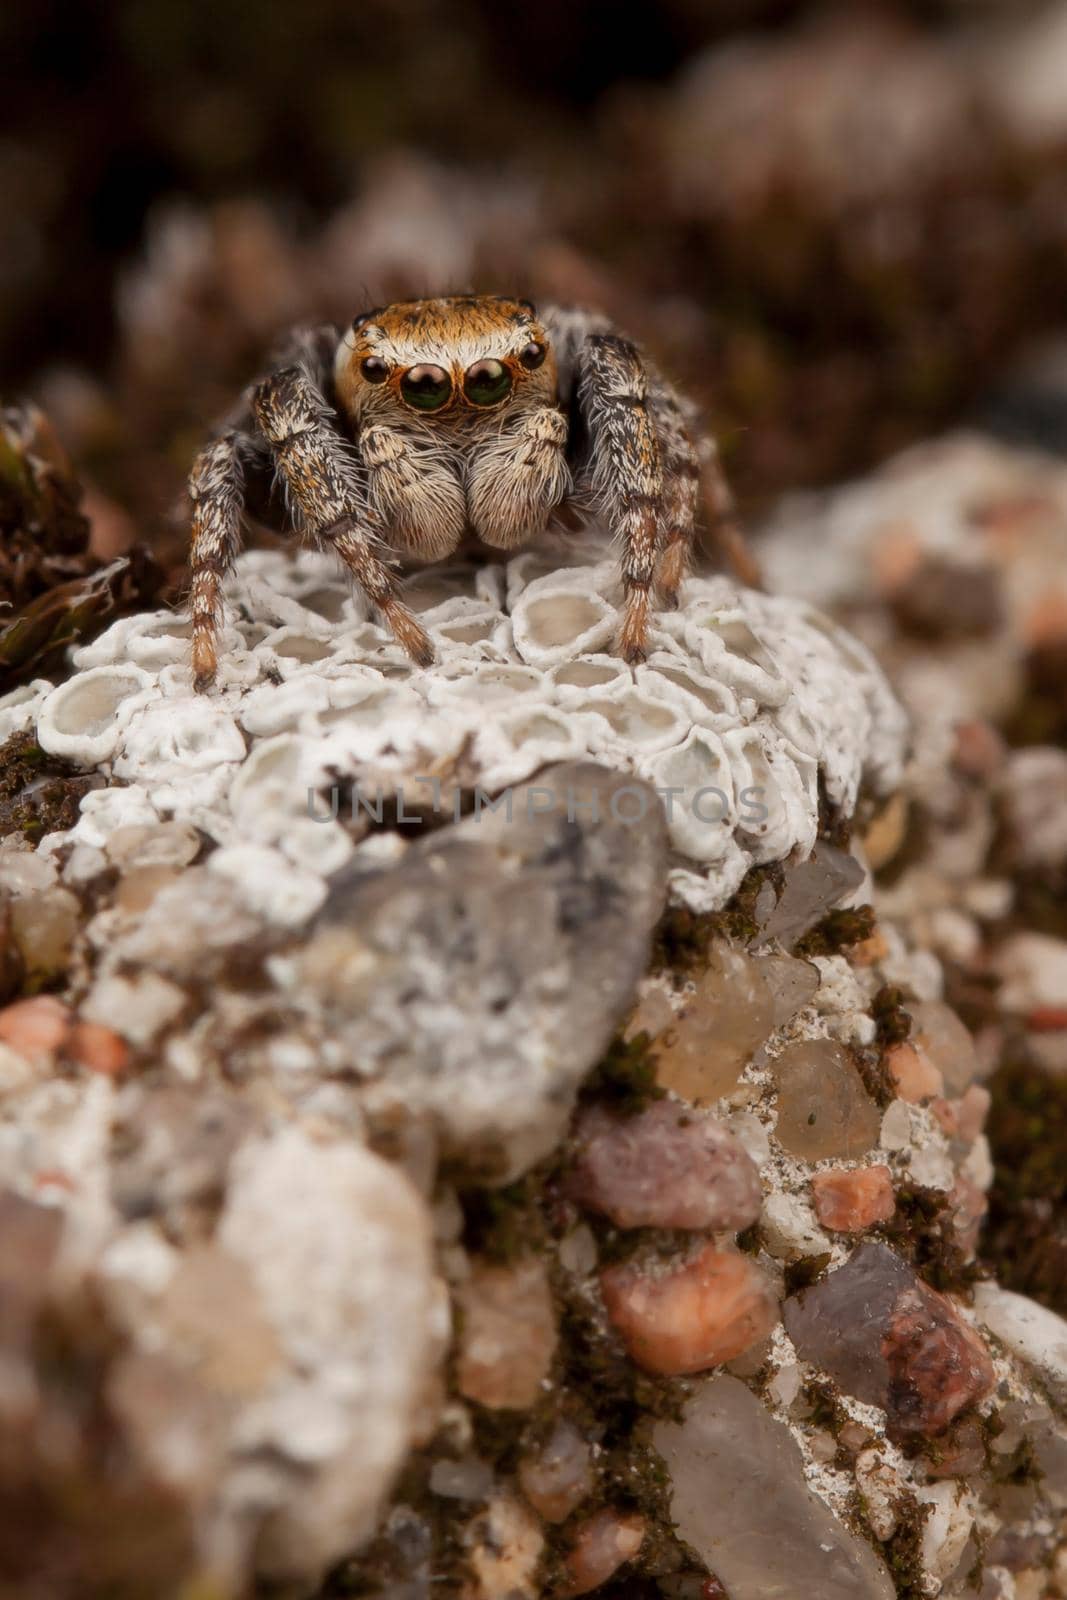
x,y
748,705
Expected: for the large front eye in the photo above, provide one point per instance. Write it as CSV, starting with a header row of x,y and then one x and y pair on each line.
x,y
486,382
427,388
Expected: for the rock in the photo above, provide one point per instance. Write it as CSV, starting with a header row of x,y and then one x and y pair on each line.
x,y
470,1479
666,1167
851,1200
44,927
914,1074
729,1016
1033,1332
558,1476
689,1316
945,1041
1034,796
503,1549
337,1247
789,1229
889,1339
98,1049
602,1544
35,1027
480,979
745,704
734,1472
823,1109
1032,968
948,600
812,888
507,1335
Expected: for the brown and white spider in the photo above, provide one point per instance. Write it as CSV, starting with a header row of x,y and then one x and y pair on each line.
x,y
432,420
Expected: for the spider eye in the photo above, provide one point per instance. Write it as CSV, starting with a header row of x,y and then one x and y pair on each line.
x,y
533,355
373,369
426,388
486,382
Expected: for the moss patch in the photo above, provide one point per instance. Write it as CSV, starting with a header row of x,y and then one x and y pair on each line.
x,y
837,931
39,794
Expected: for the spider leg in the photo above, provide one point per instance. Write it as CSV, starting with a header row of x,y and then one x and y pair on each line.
x,y
626,469
322,477
681,483
216,488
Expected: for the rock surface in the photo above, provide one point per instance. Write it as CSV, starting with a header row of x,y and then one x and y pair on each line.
x,y
480,979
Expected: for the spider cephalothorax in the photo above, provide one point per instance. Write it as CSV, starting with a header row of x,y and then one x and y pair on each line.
x,y
432,420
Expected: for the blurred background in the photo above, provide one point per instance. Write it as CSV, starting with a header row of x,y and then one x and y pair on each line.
x,y
839,226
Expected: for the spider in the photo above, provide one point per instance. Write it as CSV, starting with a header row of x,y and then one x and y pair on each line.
x,y
430,420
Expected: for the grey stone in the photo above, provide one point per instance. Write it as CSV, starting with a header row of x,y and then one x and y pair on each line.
x,y
739,1498
481,978
812,888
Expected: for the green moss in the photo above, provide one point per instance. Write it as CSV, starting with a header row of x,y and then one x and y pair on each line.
x,y
903,1552
921,1230
800,1274
893,1020
875,1075
683,938
837,931
505,1224
39,794
826,1410
626,1074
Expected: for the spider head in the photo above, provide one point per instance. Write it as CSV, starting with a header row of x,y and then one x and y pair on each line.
x,y
453,359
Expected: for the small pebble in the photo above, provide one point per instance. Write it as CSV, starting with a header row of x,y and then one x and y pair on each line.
x,y
823,1109
848,1201
693,1315
98,1048
35,1027
915,1076
556,1478
603,1544
508,1335
667,1167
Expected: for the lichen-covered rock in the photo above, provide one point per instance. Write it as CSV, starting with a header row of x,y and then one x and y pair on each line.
x,y
745,704
264,1376
481,978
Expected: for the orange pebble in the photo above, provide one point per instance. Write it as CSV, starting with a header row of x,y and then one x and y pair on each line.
x,y
693,1315
35,1027
847,1201
98,1048
914,1074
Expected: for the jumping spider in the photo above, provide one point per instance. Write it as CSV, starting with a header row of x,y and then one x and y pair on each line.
x,y
430,420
